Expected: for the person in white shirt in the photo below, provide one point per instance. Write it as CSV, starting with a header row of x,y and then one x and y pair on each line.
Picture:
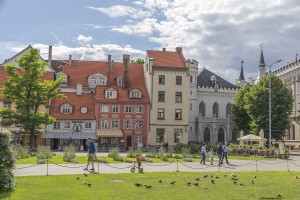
x,y
211,156
225,152
203,154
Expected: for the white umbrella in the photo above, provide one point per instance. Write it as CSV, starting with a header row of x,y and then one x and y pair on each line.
x,y
241,135
262,138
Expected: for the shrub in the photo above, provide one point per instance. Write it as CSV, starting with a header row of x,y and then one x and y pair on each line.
x,y
118,158
187,159
114,153
178,156
7,162
101,161
130,153
128,160
151,154
146,159
43,152
21,151
69,153
185,152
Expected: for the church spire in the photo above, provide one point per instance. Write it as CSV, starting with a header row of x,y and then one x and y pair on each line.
x,y
262,65
242,71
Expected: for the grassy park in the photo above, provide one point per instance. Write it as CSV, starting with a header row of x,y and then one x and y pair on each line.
x,y
266,185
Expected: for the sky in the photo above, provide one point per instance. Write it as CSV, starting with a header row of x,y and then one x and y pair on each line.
x,y
216,33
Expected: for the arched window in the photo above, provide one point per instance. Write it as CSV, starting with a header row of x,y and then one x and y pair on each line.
x,y
206,135
221,136
216,110
228,110
202,111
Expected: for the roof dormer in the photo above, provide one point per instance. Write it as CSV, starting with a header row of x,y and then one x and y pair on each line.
x,y
97,79
111,93
66,108
135,94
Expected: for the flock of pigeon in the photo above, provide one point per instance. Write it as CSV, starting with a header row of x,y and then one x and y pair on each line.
x,y
84,182
196,181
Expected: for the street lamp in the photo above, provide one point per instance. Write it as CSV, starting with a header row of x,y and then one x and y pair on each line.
x,y
270,112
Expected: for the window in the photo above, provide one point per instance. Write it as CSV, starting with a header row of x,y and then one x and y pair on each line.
x,y
138,109
128,124
104,123
135,94
138,139
138,124
7,104
177,135
191,92
161,79
178,80
120,81
56,125
228,110
66,109
104,108
178,97
93,81
160,132
202,111
67,125
87,125
128,109
216,110
161,96
191,106
115,109
191,79
102,81
161,113
178,114
115,124
110,94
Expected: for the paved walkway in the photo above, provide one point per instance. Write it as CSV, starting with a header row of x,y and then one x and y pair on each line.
x,y
292,164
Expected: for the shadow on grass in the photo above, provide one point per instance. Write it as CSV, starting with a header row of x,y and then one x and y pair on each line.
x,y
6,194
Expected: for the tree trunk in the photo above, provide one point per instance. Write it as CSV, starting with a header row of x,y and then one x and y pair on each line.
x,y
32,141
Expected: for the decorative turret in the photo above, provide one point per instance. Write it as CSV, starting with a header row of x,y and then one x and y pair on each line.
x,y
241,81
262,65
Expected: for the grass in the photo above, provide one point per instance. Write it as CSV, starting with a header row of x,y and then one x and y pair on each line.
x,y
58,159
267,185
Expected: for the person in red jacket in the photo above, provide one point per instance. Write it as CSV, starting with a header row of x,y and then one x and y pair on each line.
x,y
138,160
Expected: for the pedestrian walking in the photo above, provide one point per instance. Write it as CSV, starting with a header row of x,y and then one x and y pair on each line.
x,y
211,156
225,153
91,153
220,153
203,154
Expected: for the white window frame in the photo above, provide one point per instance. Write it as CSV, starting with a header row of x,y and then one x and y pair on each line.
x,y
66,109
135,94
102,80
115,109
104,108
110,94
88,125
138,124
160,113
114,123
178,114
138,109
56,125
7,104
128,109
67,125
94,81
104,123
138,139
120,81
128,124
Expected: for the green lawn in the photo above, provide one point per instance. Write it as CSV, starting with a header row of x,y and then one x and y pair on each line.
x,y
267,185
58,159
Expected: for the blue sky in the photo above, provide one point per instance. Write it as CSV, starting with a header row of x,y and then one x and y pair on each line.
x,y
216,33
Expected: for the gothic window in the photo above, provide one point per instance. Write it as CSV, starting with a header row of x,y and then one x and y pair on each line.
x,y
206,135
202,111
216,110
221,136
228,110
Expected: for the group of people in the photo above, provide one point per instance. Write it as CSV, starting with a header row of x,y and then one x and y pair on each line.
x,y
222,151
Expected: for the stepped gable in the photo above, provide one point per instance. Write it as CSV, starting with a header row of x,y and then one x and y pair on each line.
x,y
167,59
77,101
204,80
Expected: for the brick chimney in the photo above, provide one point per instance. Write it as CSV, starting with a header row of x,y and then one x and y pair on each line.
x,y
50,56
164,49
179,49
126,59
70,59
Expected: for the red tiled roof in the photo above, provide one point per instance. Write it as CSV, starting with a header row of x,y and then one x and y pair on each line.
x,y
135,80
167,59
77,101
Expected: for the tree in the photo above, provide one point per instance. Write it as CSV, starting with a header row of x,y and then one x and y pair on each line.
x,y
137,61
26,88
257,106
239,112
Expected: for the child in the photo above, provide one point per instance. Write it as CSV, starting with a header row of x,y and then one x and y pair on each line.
x,y
211,156
138,160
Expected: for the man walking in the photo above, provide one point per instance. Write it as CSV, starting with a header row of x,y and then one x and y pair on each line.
x,y
225,152
203,154
91,153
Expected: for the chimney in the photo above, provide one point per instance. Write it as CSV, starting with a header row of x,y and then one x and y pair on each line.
x,y
109,58
79,89
70,59
126,59
179,49
109,68
164,49
50,55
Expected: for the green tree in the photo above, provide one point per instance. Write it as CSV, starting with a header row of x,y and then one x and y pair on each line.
x,y
26,89
137,61
257,106
239,112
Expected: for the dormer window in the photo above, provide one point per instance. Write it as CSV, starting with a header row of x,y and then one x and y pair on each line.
x,y
97,79
110,94
93,81
66,109
120,81
135,94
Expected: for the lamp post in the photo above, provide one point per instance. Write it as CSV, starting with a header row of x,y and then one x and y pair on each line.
x,y
270,112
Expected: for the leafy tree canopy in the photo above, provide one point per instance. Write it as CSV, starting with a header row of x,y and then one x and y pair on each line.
x,y
137,61
30,93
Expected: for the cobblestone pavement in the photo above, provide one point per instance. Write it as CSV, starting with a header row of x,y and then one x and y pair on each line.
x,y
292,164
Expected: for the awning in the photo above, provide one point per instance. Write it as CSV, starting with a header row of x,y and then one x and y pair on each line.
x,y
109,132
68,135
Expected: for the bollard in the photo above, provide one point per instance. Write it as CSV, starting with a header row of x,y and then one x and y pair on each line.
x,y
47,167
256,166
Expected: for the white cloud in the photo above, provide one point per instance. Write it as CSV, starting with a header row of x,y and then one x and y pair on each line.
x,y
122,11
84,39
94,26
143,28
